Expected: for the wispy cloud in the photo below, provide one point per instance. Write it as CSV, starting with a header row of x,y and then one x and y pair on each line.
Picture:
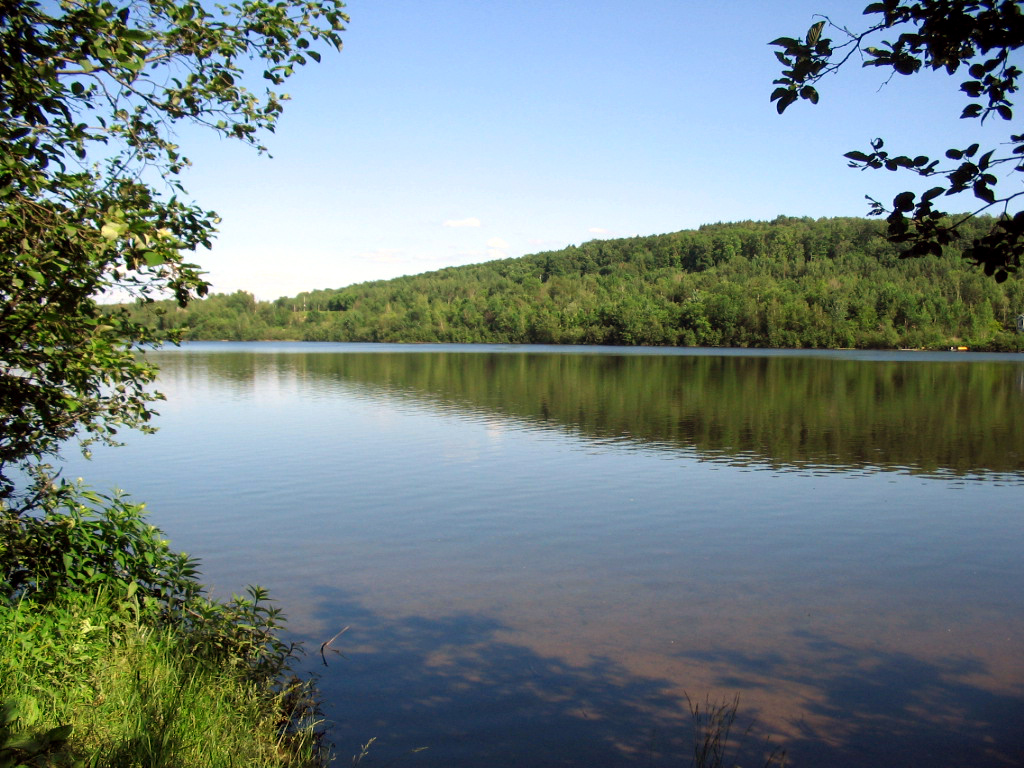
x,y
497,248
599,231
472,221
384,255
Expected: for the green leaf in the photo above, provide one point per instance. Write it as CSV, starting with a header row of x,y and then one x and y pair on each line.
x,y
903,202
113,230
56,735
815,32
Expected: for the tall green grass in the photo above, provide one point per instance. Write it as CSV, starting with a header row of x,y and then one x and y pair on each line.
x,y
111,655
135,694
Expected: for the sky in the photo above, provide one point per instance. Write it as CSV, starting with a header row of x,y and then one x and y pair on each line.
x,y
451,132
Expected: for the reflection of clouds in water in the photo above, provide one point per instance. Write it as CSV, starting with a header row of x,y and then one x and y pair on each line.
x,y
478,691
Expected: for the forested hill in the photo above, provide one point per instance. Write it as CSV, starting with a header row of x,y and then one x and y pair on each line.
x,y
786,283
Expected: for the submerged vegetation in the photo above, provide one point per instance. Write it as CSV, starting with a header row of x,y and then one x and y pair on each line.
x,y
713,725
826,283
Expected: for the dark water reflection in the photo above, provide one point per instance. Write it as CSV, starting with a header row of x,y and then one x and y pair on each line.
x,y
824,412
540,553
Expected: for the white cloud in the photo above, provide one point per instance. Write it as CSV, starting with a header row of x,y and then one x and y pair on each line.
x,y
598,231
383,255
472,221
497,242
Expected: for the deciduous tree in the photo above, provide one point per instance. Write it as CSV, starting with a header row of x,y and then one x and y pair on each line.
x,y
971,40
91,193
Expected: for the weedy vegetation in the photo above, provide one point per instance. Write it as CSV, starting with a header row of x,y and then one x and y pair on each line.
x,y
713,735
112,654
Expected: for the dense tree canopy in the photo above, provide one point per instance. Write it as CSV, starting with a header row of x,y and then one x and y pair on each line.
x,y
975,37
91,197
786,283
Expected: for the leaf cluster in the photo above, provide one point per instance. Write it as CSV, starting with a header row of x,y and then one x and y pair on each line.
x,y
21,748
978,36
83,541
91,198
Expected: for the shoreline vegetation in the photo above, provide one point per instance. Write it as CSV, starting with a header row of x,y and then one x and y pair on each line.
x,y
833,283
111,654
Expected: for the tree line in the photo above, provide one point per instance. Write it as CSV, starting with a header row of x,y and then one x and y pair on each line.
x,y
788,283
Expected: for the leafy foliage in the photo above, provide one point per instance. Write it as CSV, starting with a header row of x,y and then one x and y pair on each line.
x,y
92,204
87,550
978,36
86,542
90,187
19,749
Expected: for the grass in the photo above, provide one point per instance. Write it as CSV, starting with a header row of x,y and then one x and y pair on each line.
x,y
713,725
135,694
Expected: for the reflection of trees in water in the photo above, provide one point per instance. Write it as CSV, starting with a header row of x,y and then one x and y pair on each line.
x,y
959,418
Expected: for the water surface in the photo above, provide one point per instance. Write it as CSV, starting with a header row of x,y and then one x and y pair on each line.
x,y
539,552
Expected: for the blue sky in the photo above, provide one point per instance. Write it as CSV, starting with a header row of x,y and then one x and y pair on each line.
x,y
450,132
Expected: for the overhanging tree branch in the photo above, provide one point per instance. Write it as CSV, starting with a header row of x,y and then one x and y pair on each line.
x,y
979,35
90,92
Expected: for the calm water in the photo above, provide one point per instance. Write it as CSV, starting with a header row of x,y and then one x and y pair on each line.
x,y
538,551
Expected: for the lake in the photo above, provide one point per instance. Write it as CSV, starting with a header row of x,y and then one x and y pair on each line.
x,y
540,552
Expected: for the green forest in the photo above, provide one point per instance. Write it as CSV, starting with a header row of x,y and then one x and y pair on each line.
x,y
789,283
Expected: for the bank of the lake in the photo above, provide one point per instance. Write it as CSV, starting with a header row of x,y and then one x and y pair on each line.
x,y
111,654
